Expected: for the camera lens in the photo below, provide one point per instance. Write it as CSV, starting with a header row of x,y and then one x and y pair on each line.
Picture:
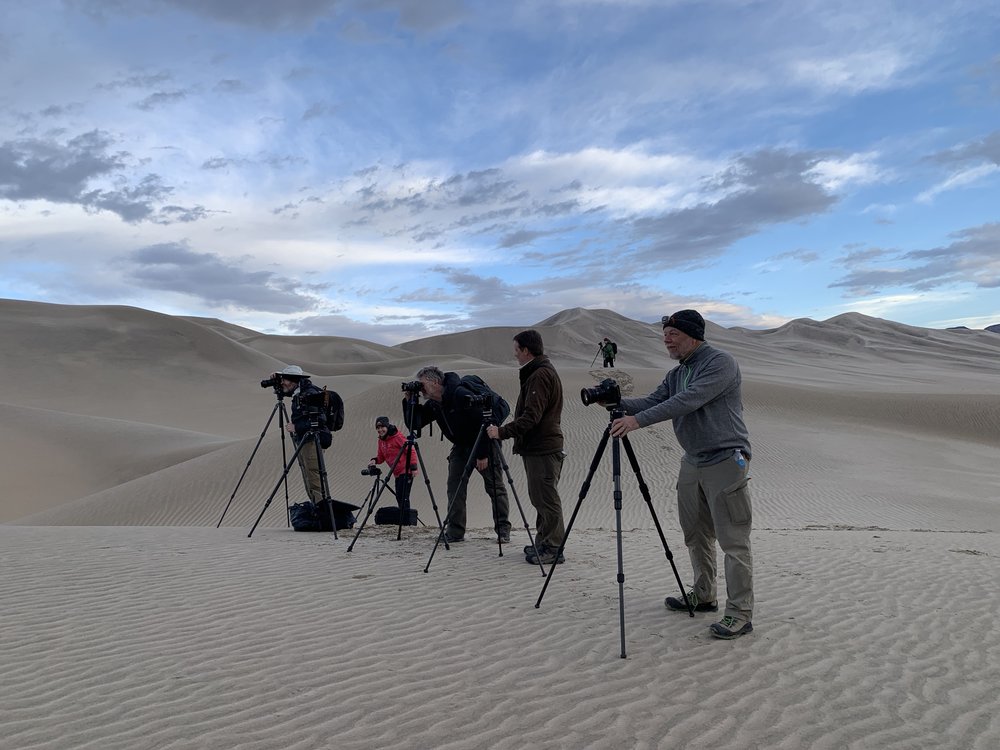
x,y
607,392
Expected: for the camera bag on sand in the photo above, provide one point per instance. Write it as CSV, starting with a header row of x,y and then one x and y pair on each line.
x,y
303,517
342,514
309,517
389,516
501,409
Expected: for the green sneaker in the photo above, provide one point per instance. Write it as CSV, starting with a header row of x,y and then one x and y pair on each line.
x,y
678,605
730,627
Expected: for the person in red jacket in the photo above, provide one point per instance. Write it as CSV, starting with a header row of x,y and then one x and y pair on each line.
x,y
390,442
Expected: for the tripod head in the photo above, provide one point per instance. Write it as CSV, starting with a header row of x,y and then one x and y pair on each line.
x,y
615,411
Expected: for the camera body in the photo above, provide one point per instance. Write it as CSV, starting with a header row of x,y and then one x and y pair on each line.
x,y
371,471
606,392
479,401
412,386
272,382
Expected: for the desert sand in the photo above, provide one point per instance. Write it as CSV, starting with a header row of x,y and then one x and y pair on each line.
x,y
130,621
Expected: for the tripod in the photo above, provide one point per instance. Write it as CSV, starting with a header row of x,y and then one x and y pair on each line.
x,y
616,412
408,449
279,409
494,452
600,350
371,499
309,438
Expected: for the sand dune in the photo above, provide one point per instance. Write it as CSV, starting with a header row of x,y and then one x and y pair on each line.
x,y
130,621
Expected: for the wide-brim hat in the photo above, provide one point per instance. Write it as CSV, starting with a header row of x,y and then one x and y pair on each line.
x,y
293,372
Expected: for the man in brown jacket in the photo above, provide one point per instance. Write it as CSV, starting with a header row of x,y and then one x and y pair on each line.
x,y
538,439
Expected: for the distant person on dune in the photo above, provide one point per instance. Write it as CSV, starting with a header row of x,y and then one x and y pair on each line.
x,y
702,397
609,350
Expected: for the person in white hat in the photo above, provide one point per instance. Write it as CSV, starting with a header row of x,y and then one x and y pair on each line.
x,y
296,383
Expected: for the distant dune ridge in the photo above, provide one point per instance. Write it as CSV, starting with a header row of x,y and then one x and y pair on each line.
x,y
132,622
101,386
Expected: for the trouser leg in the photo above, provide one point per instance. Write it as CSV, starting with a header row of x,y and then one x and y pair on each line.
x,y
695,518
725,486
543,473
309,464
457,490
403,484
493,483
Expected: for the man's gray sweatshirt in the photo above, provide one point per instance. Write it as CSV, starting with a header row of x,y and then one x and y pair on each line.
x,y
702,397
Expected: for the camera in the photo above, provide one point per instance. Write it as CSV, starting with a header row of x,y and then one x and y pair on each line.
x,y
371,471
481,401
413,386
272,382
607,392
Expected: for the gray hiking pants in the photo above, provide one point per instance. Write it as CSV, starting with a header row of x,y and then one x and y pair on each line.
x,y
713,503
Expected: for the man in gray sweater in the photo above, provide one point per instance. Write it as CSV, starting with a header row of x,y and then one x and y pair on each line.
x,y
702,398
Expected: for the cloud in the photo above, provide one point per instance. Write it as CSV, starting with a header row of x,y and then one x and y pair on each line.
x,y
36,169
160,99
283,15
763,188
173,267
971,259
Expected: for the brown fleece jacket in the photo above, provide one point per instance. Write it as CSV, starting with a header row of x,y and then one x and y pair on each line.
x,y
536,426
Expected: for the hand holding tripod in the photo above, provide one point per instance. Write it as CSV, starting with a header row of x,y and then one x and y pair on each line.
x,y
616,412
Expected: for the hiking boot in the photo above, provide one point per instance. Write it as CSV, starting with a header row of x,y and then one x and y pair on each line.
x,y
730,627
678,605
453,539
504,537
546,556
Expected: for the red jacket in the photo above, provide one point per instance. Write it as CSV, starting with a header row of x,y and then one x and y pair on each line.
x,y
388,449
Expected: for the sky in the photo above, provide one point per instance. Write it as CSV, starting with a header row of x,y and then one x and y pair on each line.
x,y
393,169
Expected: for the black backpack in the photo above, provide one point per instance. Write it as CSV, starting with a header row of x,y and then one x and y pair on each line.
x,y
501,409
614,347
333,408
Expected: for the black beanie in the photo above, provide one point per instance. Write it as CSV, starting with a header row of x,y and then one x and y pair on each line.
x,y
688,321
381,421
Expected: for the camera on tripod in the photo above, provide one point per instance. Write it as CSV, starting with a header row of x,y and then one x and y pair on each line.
x,y
272,382
371,471
606,392
481,401
412,387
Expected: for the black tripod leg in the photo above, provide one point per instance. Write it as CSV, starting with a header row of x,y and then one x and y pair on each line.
x,y
584,489
644,490
250,461
464,481
430,491
495,480
371,506
517,500
616,473
282,421
277,487
324,483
